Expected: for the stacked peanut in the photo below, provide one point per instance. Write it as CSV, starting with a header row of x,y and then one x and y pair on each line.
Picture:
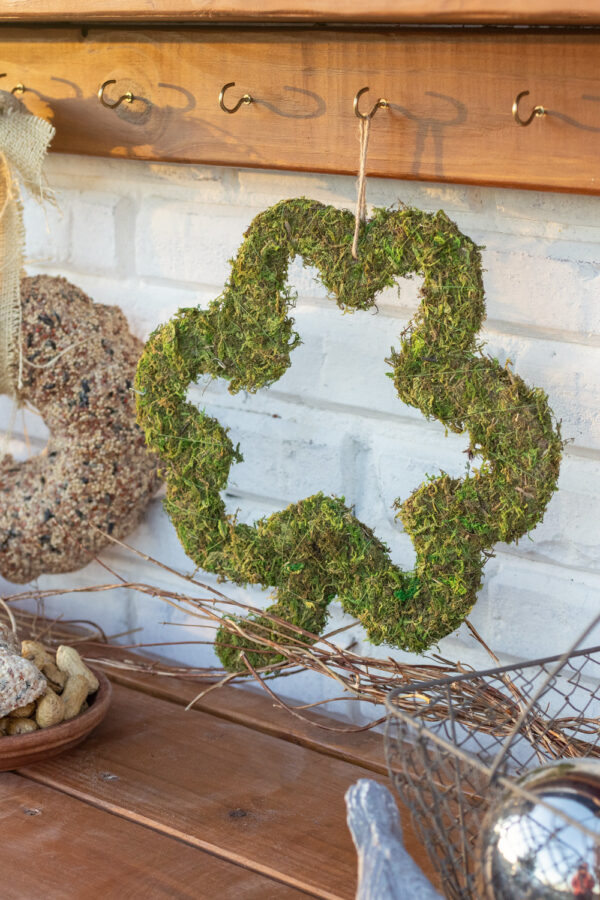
x,y
69,682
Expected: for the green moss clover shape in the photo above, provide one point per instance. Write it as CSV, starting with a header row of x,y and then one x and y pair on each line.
x,y
316,550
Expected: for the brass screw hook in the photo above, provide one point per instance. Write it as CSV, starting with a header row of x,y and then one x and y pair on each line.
x,y
18,88
536,111
381,104
245,99
124,98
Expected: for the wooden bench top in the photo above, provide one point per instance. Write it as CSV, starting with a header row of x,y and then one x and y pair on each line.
x,y
232,799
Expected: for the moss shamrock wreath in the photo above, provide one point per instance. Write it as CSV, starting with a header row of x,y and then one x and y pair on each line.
x,y
317,550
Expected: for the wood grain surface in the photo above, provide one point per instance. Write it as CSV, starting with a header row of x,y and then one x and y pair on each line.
x,y
254,709
247,797
55,847
532,12
451,93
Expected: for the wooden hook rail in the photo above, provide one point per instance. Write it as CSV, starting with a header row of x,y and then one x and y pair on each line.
x,y
449,97
405,12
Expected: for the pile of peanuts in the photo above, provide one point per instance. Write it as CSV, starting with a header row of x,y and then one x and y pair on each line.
x,y
69,682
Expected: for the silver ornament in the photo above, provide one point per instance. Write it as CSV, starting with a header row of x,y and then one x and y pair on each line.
x,y
530,851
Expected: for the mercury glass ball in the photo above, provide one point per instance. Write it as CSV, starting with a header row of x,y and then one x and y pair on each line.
x,y
529,851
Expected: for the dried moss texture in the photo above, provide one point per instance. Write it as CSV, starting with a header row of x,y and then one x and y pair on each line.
x,y
317,550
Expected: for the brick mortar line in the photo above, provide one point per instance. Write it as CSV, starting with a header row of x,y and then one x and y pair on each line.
x,y
502,327
320,405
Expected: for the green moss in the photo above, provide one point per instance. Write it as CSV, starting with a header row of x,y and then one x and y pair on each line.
x,y
317,550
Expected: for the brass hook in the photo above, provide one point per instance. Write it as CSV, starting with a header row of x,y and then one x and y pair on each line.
x,y
381,104
536,111
245,99
124,98
18,88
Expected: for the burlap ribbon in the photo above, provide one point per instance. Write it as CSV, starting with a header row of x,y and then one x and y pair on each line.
x,y
24,140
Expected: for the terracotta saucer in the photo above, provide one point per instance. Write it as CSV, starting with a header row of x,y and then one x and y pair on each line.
x,y
23,749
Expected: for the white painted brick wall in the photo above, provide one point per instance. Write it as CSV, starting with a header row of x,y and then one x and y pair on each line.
x,y
154,237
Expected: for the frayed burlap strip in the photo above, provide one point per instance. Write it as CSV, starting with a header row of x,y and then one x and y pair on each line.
x,y
24,141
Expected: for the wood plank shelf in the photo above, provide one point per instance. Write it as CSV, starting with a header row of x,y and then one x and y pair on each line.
x,y
233,797
71,841
450,93
230,799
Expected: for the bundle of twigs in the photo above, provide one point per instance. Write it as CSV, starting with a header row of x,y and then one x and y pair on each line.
x,y
475,702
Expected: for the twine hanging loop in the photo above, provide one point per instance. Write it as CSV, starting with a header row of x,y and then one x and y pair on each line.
x,y
364,129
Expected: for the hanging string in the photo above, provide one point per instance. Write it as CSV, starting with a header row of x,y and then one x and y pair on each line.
x,y
361,200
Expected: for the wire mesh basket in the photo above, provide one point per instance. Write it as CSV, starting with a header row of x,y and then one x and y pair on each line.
x,y
461,751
